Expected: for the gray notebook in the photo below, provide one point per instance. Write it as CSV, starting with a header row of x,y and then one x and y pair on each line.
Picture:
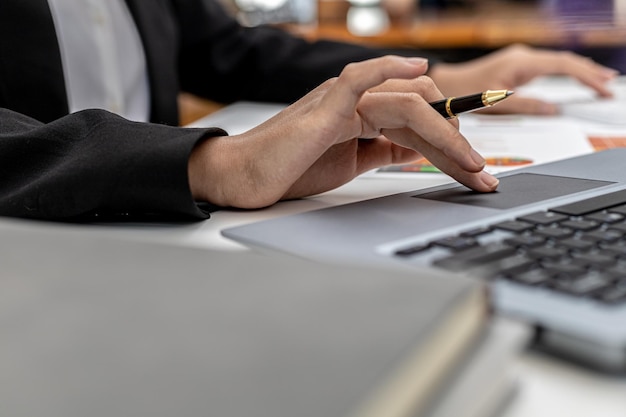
x,y
551,242
93,326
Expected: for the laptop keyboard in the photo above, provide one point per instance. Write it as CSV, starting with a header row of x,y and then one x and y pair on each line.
x,y
578,249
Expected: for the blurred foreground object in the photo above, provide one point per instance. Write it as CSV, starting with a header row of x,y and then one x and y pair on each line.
x,y
101,326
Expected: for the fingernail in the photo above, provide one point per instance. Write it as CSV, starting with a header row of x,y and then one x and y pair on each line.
x,y
489,180
478,160
418,60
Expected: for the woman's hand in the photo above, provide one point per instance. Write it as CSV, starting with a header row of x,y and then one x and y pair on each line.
x,y
313,145
514,66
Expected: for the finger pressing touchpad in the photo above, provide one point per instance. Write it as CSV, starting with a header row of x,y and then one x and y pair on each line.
x,y
516,190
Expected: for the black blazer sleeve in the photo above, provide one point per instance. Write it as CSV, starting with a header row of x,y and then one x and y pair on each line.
x,y
224,61
93,164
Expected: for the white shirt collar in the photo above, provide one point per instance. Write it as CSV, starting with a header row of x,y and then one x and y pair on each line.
x,y
103,57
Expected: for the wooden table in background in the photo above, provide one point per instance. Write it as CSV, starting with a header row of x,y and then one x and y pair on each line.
x,y
484,24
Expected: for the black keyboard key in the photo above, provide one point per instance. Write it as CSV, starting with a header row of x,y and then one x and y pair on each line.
x,y
619,209
547,252
564,269
617,271
514,226
555,232
525,241
619,227
580,224
535,276
456,242
580,208
476,232
505,266
595,260
475,256
584,285
617,249
412,250
543,217
603,236
605,217
612,295
576,244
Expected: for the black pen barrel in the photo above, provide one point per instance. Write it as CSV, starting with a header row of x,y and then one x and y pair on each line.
x,y
453,106
466,103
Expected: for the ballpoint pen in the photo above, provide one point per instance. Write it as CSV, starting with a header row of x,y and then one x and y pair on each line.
x,y
452,106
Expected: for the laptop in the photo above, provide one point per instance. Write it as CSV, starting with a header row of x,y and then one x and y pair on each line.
x,y
551,243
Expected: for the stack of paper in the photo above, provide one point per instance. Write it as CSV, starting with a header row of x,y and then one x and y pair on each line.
x,y
579,101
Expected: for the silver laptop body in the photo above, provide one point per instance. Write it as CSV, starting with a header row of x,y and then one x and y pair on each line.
x,y
579,311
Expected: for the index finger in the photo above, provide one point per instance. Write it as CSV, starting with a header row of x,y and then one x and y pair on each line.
x,y
357,78
583,69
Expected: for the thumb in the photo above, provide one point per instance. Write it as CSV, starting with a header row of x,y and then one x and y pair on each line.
x,y
380,151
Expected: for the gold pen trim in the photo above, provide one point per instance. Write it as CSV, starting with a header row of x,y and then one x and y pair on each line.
x,y
448,109
491,97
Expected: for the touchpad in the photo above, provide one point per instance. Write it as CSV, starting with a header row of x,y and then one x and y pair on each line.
x,y
516,190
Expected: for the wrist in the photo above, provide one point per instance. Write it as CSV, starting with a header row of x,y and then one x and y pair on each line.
x,y
223,171
203,184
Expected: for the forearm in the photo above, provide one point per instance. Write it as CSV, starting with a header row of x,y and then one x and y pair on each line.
x,y
94,163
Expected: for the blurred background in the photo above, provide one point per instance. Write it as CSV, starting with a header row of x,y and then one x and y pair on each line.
x,y
456,30
453,30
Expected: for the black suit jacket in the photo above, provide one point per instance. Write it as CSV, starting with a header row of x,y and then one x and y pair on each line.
x,y
55,166
191,45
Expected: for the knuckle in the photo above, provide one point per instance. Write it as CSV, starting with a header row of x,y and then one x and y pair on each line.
x,y
568,55
427,82
411,100
348,70
520,48
388,59
455,144
423,85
